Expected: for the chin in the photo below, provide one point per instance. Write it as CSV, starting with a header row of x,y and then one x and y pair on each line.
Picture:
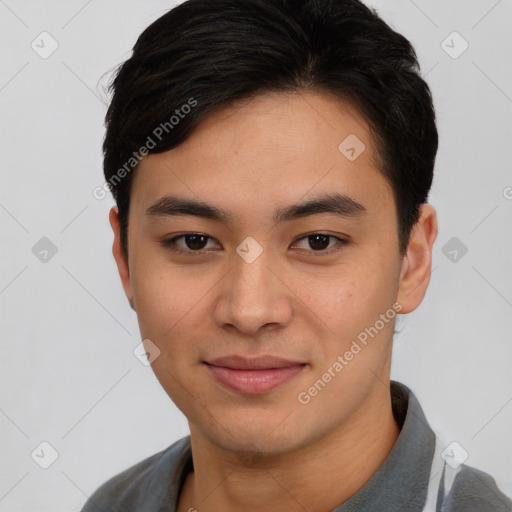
x,y
254,446
254,437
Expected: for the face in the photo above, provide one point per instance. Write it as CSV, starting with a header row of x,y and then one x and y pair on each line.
x,y
258,292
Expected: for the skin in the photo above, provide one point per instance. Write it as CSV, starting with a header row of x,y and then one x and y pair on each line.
x,y
269,451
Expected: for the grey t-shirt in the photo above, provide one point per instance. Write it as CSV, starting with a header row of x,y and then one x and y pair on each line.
x,y
413,478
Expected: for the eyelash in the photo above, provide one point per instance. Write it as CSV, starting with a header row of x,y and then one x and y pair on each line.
x,y
169,244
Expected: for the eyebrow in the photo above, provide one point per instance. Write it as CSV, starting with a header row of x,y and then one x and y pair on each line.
x,y
337,204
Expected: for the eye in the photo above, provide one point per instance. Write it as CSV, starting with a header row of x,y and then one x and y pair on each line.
x,y
197,243
191,243
321,243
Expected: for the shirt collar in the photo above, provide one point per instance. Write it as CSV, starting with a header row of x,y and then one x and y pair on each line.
x,y
401,482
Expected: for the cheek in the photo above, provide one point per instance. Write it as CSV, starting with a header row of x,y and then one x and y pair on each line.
x,y
166,299
170,309
349,301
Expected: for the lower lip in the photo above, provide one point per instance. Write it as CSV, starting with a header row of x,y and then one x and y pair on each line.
x,y
254,382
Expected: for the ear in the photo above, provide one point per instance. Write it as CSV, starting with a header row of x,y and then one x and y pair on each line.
x,y
417,262
121,261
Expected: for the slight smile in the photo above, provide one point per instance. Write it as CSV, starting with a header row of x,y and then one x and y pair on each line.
x,y
253,376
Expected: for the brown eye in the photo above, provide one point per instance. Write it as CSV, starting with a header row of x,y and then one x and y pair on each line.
x,y
195,242
321,243
191,243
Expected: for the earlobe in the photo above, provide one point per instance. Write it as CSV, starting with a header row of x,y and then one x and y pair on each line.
x,y
119,256
417,262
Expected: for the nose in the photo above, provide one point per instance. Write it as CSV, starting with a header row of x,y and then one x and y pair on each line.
x,y
253,296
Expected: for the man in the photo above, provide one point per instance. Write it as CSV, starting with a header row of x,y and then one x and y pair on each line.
x,y
271,162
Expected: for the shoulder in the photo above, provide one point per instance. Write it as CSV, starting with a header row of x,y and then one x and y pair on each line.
x,y
142,486
475,491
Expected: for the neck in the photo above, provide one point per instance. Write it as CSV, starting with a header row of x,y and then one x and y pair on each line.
x,y
318,477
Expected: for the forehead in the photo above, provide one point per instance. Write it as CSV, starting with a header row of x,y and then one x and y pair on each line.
x,y
273,148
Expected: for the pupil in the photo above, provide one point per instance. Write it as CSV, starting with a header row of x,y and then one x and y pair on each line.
x,y
318,242
195,241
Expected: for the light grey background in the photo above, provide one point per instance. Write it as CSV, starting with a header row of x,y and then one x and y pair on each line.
x,y
68,373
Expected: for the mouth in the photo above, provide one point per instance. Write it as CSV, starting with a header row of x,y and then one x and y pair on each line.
x,y
253,376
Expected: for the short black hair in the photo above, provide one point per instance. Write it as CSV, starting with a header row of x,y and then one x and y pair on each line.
x,y
206,54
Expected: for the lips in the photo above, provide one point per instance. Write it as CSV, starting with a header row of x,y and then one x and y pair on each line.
x,y
253,376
